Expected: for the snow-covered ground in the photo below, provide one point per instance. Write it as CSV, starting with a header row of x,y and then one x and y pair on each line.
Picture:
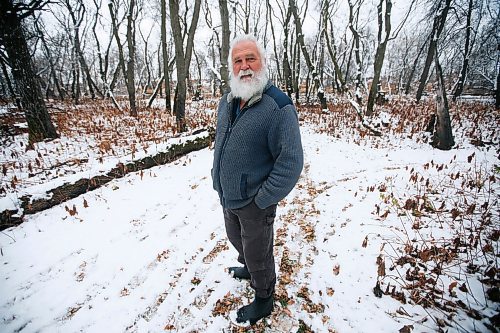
x,y
148,252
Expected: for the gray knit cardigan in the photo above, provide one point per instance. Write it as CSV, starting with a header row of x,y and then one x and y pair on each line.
x,y
260,155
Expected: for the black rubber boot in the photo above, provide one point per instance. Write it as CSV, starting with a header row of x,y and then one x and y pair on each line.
x,y
239,272
258,309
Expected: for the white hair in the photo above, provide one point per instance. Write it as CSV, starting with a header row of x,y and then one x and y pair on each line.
x,y
245,90
247,38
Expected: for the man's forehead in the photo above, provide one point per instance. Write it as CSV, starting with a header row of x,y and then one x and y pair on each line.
x,y
244,49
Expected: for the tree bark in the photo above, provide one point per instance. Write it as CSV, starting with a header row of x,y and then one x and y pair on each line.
x,y
40,126
380,53
75,83
437,28
50,60
413,69
164,51
102,71
131,58
269,17
182,58
287,71
77,15
296,68
121,57
224,49
9,84
443,136
300,39
155,91
497,93
353,18
147,62
197,90
332,51
465,65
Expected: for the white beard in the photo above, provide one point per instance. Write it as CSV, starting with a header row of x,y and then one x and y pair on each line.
x,y
246,89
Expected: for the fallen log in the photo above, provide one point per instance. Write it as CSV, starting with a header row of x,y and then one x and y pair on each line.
x,y
67,191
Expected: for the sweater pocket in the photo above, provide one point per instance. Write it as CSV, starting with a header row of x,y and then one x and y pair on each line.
x,y
243,186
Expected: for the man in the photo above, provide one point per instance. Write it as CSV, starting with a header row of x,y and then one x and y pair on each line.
x,y
258,159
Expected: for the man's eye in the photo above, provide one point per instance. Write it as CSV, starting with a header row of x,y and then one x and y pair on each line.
x,y
237,61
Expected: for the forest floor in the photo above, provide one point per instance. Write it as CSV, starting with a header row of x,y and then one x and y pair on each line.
x,y
381,234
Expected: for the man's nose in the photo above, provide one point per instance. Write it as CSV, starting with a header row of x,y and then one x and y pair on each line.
x,y
244,65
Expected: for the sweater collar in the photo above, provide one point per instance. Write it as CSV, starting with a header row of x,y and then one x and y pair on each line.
x,y
255,98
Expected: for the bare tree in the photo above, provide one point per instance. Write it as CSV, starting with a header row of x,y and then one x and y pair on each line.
x,y
409,80
103,60
295,66
353,22
77,15
443,136
53,71
286,16
128,68
213,44
312,69
224,49
469,42
182,57
147,86
384,23
332,48
8,83
269,15
113,11
384,19
164,50
439,21
116,22
12,37
130,74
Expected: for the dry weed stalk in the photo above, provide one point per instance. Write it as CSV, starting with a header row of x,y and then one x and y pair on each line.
x,y
445,255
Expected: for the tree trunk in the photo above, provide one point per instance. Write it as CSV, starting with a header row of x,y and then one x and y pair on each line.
x,y
300,39
102,67
287,71
332,51
131,58
75,83
50,60
197,89
40,126
353,18
164,50
116,74
155,91
465,65
497,93
224,50
77,15
437,28
296,68
148,86
215,82
380,53
413,69
9,84
182,58
121,58
443,136
269,17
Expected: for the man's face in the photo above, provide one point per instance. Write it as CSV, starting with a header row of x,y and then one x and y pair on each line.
x,y
246,58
